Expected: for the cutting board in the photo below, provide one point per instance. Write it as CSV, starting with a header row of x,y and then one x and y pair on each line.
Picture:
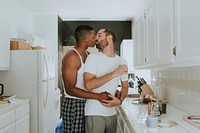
x,y
3,101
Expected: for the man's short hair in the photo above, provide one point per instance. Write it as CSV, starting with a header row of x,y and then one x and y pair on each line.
x,y
81,31
112,33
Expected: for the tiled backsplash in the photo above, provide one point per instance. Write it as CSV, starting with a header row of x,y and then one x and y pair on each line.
x,y
182,87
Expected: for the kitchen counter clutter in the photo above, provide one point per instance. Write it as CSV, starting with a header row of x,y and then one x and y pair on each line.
x,y
5,107
15,116
135,115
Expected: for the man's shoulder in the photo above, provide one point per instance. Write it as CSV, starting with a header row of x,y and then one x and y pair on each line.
x,y
71,56
119,57
94,54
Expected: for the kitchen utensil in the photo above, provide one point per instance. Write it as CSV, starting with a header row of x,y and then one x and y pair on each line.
x,y
193,120
139,82
1,89
144,82
9,98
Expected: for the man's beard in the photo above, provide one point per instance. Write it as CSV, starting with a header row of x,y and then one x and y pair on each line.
x,y
102,44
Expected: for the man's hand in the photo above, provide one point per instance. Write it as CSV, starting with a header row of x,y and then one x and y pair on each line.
x,y
117,94
120,71
111,103
103,96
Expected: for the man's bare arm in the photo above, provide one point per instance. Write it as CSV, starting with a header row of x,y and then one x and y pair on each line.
x,y
124,90
92,82
70,66
117,101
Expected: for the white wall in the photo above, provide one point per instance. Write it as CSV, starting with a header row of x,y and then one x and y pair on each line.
x,y
182,87
17,16
22,20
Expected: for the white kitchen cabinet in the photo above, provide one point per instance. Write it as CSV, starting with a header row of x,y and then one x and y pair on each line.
x,y
22,125
165,32
136,37
123,124
171,31
139,47
150,48
187,31
22,119
145,38
7,121
15,118
9,129
4,46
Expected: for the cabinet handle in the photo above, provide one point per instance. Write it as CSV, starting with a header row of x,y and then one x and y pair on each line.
x,y
144,16
174,51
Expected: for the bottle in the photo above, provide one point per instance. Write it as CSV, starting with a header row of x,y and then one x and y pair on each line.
x,y
149,108
130,81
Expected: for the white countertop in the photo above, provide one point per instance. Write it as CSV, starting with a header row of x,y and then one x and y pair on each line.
x,y
137,113
11,106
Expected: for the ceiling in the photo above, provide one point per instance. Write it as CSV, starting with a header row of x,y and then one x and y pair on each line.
x,y
86,9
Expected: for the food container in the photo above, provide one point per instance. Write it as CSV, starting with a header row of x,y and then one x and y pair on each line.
x,y
156,107
164,106
37,48
19,45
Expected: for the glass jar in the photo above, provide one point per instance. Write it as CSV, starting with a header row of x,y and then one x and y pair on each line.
x,y
156,107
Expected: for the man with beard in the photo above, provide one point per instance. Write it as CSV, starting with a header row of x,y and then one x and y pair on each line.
x,y
101,117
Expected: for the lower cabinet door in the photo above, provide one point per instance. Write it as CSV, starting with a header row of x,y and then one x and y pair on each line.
x,y
120,125
126,129
22,125
8,129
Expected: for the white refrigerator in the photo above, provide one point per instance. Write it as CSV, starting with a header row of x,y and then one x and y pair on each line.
x,y
32,75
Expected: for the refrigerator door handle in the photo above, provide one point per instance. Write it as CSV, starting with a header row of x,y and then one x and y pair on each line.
x,y
43,80
47,89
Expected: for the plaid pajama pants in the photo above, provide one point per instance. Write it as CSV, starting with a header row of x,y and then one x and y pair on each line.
x,y
73,115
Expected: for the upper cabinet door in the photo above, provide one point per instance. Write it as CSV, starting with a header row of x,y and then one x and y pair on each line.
x,y
187,29
136,46
165,31
150,34
4,46
139,47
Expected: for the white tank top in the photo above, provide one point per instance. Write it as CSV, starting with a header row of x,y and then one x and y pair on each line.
x,y
80,80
